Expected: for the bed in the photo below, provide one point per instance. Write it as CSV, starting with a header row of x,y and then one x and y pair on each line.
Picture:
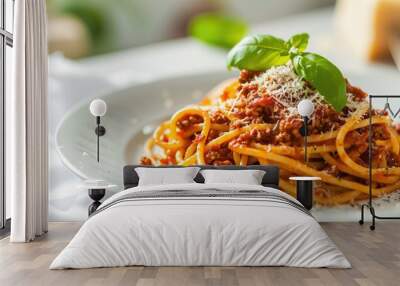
x,y
198,224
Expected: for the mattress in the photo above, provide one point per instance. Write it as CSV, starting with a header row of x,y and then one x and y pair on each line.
x,y
201,225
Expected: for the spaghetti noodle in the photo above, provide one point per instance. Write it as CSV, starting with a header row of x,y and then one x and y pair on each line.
x,y
253,120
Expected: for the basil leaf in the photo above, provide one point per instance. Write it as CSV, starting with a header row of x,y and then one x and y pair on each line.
x,y
299,41
324,76
258,53
218,30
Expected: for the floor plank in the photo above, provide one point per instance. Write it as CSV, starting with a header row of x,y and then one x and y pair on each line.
x,y
375,257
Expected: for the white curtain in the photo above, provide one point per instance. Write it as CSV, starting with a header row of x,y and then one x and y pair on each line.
x,y
26,123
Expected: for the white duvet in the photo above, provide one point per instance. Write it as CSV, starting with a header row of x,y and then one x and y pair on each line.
x,y
200,231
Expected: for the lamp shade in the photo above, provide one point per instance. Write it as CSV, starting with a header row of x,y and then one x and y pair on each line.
x,y
98,107
305,108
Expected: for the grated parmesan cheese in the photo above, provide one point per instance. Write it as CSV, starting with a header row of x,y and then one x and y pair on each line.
x,y
287,88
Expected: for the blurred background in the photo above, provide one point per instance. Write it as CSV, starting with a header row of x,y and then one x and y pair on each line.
x,y
82,28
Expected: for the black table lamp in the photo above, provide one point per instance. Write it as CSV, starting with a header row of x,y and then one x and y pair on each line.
x,y
98,108
305,109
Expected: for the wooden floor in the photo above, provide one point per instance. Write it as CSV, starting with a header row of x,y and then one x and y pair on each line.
x,y
375,257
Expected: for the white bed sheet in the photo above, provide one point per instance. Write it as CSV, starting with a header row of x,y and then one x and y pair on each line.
x,y
200,231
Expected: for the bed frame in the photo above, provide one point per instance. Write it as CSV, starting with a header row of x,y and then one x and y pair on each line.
x,y
271,178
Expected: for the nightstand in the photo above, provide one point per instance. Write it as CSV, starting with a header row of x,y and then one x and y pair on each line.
x,y
304,191
96,191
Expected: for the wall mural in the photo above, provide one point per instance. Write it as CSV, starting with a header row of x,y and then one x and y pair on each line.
x,y
144,123
184,107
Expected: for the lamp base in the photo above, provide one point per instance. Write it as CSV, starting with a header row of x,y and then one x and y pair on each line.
x,y
304,193
96,195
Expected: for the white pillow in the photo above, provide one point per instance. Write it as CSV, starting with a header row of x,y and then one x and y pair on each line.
x,y
248,177
163,176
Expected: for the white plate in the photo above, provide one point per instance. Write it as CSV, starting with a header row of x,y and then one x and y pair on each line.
x,y
133,113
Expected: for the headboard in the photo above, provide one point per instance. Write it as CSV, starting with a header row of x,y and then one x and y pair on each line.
x,y
271,177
